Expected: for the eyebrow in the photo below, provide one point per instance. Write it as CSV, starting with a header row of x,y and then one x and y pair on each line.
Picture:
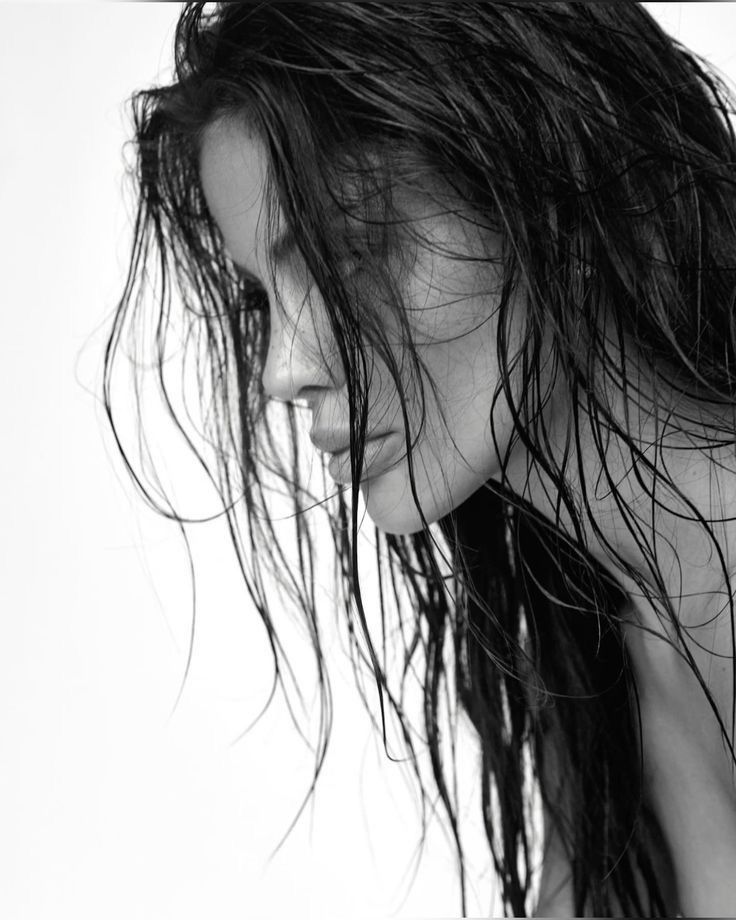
x,y
279,251
282,247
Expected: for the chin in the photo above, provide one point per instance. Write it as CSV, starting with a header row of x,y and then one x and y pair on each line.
x,y
389,502
398,521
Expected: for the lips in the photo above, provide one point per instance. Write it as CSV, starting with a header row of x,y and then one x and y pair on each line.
x,y
378,450
333,442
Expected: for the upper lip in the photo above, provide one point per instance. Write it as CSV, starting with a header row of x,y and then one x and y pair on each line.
x,y
333,442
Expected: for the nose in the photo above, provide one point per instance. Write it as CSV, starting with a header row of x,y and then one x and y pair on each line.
x,y
301,353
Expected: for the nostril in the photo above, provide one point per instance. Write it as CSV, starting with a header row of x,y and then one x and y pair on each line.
x,y
295,370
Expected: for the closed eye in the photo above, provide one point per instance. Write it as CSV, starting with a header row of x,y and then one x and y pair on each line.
x,y
357,259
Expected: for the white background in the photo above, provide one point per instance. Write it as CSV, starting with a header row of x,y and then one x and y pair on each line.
x,y
110,805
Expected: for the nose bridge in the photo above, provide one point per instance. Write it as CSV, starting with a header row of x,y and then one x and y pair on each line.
x,y
300,349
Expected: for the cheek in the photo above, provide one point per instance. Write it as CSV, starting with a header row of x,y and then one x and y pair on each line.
x,y
465,375
454,455
456,338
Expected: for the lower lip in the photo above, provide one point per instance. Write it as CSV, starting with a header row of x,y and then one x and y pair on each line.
x,y
339,465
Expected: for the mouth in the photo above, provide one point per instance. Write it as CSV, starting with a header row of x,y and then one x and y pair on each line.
x,y
378,455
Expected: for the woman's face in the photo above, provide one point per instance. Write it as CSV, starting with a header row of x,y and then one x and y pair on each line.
x,y
450,296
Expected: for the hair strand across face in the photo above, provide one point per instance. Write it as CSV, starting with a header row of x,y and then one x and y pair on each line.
x,y
599,157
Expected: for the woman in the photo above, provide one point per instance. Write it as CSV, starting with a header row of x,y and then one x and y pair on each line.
x,y
489,251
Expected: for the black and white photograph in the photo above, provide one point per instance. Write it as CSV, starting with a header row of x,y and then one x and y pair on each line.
x,y
369,470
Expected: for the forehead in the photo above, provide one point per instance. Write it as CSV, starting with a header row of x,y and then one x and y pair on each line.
x,y
233,173
233,170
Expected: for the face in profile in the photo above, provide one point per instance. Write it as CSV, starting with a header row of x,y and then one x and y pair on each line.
x,y
450,296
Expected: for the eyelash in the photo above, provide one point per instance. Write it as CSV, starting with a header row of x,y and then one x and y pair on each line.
x,y
355,261
252,297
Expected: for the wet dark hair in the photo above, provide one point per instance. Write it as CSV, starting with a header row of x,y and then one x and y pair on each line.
x,y
601,155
